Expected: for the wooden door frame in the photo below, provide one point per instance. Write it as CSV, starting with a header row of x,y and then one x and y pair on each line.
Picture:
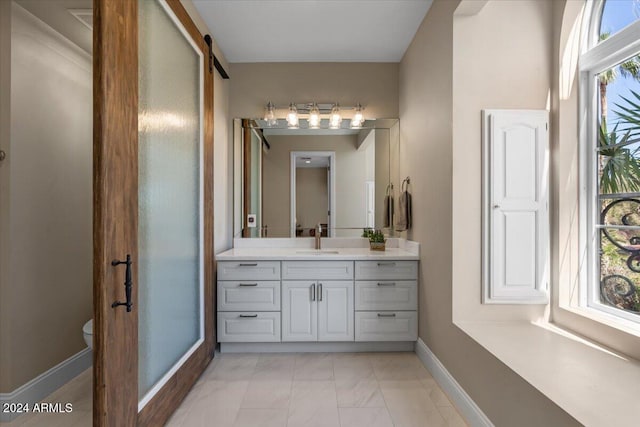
x,y
115,216
115,53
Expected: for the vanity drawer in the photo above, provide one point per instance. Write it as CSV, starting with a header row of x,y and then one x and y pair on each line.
x,y
384,270
247,295
249,270
249,326
387,295
386,326
317,270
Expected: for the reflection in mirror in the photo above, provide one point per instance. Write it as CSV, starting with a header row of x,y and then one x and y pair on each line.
x,y
289,181
252,191
312,191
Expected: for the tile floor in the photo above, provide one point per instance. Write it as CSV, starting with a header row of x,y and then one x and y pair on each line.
x,y
316,390
290,390
77,392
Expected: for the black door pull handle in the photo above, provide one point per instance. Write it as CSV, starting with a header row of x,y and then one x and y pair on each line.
x,y
127,283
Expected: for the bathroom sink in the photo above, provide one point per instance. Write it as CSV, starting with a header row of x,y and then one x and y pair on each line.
x,y
317,252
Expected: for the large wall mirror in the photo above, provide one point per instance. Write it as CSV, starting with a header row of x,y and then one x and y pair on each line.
x,y
287,181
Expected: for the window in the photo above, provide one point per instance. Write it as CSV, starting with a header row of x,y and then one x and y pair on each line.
x,y
610,70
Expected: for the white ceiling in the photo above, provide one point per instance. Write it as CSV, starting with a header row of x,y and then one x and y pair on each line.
x,y
313,30
281,30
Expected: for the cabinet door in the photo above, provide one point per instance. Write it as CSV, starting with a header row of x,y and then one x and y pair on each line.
x,y
335,311
299,311
516,207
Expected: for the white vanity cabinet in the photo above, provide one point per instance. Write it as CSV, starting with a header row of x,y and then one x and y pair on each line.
x,y
248,298
368,302
386,301
320,309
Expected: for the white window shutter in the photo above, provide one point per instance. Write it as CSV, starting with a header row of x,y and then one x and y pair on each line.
x,y
515,207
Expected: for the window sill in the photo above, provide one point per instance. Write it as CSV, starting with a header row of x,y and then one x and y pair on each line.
x,y
579,376
621,324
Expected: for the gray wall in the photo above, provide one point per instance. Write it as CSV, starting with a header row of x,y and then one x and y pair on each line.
x,y
5,175
430,124
46,224
520,34
374,85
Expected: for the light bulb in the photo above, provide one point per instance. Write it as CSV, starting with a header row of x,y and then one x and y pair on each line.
x,y
292,117
270,114
358,117
314,117
335,119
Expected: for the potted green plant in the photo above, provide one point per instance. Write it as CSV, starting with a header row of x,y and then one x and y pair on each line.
x,y
376,239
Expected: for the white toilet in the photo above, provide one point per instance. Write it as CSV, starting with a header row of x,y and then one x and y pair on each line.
x,y
87,333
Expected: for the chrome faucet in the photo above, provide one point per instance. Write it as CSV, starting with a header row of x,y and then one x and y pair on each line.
x,y
318,235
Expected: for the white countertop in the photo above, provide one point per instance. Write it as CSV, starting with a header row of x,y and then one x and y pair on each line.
x,y
305,254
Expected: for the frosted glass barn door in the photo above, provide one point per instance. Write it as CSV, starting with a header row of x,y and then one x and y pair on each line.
x,y
171,226
153,185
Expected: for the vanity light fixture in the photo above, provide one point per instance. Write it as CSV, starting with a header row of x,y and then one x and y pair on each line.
x,y
314,112
335,119
292,116
358,117
270,114
314,116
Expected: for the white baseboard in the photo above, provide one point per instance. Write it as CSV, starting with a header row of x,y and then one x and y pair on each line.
x,y
47,382
315,347
467,407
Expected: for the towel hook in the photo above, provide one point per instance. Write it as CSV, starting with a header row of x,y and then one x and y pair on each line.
x,y
407,180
